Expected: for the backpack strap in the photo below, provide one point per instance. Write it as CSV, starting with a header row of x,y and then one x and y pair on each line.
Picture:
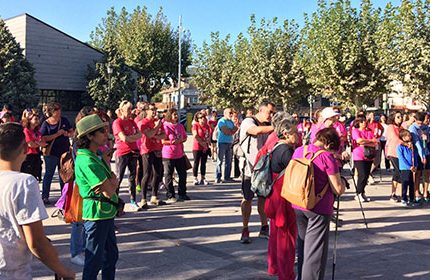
x,y
314,154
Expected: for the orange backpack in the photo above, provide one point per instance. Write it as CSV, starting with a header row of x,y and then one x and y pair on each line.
x,y
299,181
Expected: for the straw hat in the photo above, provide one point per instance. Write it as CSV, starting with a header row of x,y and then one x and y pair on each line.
x,y
89,124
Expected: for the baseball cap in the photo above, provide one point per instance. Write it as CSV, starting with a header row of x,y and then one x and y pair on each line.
x,y
328,112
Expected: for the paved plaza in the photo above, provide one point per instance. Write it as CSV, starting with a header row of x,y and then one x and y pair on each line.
x,y
199,239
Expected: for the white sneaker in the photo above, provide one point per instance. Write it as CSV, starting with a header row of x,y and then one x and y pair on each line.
x,y
196,182
204,182
365,197
359,197
78,260
371,180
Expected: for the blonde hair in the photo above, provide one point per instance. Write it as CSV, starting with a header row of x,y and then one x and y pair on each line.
x,y
125,103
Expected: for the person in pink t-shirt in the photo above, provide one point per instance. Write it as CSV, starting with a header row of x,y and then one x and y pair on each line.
x,y
32,163
393,140
150,148
174,157
201,133
362,138
126,134
313,225
212,122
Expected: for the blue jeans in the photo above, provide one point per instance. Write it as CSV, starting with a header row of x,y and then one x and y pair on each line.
x,y
224,150
51,163
101,251
77,239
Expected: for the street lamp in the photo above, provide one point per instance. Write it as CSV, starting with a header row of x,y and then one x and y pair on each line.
x,y
364,108
385,104
311,100
109,69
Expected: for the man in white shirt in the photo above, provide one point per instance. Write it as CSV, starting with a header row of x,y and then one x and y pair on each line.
x,y
253,134
21,213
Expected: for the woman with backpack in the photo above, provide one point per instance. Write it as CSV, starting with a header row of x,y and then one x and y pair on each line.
x,y
313,225
283,227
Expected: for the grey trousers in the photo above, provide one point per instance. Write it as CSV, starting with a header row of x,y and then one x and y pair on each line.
x,y
312,244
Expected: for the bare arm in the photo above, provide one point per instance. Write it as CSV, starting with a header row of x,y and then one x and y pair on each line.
x,y
42,249
108,187
48,138
336,184
151,132
256,130
367,142
228,131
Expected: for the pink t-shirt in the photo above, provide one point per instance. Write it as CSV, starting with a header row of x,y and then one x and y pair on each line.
x,y
358,151
128,127
315,128
203,132
173,131
393,140
32,136
148,144
324,165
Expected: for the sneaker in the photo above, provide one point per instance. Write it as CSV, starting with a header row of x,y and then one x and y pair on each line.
x,y
426,199
264,232
196,182
394,198
135,206
156,201
78,260
116,229
359,197
204,182
171,200
144,204
183,198
244,239
46,201
218,181
371,180
404,203
229,180
366,199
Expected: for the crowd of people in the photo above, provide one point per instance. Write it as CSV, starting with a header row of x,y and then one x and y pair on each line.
x,y
150,144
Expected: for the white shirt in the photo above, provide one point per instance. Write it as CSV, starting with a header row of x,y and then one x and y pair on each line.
x,y
20,204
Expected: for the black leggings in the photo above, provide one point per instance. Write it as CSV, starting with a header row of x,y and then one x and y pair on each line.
x,y
200,158
363,168
179,165
128,161
387,160
396,174
152,168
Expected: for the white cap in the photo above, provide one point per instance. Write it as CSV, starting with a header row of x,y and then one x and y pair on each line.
x,y
327,113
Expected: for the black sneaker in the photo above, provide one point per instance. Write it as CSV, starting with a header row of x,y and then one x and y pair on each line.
x,y
264,232
183,198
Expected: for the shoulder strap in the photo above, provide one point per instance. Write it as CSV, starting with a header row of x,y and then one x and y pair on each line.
x,y
317,154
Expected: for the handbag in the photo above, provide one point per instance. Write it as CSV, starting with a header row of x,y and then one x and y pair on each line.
x,y
188,164
369,152
67,167
46,151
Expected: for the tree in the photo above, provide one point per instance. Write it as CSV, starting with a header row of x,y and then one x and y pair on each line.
x,y
259,65
108,90
339,53
17,83
148,44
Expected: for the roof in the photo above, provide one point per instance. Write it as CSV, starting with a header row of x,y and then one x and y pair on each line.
x,y
65,34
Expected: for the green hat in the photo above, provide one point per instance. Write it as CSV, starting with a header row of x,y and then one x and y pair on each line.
x,y
89,124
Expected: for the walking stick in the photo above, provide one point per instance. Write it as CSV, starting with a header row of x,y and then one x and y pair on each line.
x,y
359,201
335,237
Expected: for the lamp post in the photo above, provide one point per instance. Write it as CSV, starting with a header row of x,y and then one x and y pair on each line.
x,y
385,104
364,107
311,100
109,72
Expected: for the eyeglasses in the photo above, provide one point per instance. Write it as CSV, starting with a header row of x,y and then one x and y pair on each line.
x,y
398,117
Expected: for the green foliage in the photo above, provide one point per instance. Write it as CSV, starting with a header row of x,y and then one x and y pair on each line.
x,y
17,83
108,90
148,44
259,65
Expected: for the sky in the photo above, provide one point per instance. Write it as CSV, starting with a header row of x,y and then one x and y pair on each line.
x,y
201,17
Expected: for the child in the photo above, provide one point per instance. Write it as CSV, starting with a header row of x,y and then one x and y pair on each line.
x,y
21,213
408,162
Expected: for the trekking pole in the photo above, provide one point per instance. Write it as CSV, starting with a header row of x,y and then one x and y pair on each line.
x,y
359,201
335,237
